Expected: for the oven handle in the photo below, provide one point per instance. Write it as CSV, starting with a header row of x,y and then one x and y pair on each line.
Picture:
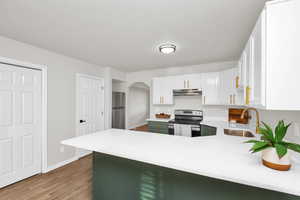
x,y
196,128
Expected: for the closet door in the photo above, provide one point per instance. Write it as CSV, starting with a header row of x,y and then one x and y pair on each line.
x,y
20,123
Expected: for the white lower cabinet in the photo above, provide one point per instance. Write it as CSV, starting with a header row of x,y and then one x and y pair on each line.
x,y
210,88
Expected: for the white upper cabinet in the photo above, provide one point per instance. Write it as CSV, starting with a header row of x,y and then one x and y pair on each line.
x,y
282,55
271,61
210,88
241,78
190,81
257,67
225,87
228,92
162,91
268,70
193,81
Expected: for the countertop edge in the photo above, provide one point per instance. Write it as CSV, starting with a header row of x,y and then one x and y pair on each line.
x,y
201,173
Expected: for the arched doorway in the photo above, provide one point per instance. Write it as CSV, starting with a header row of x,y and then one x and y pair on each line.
x,y
138,109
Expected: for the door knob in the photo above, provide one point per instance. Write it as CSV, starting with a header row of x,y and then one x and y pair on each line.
x,y
82,121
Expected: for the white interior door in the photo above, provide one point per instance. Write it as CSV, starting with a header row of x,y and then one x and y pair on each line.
x,y
20,123
90,107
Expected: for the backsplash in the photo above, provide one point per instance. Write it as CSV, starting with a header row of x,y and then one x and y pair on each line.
x,y
192,102
272,118
221,113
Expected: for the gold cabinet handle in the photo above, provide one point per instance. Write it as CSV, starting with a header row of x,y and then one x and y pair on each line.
x,y
160,100
237,80
203,99
188,83
230,101
184,84
248,89
163,100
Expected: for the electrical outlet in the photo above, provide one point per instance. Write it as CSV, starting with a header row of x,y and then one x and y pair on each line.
x,y
62,149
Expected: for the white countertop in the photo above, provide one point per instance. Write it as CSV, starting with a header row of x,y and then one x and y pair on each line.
x,y
221,157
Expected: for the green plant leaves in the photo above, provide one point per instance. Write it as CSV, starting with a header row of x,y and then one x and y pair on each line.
x,y
270,139
281,150
252,141
280,131
259,146
293,146
267,132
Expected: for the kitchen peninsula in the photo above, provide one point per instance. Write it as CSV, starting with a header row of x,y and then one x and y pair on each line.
x,y
136,165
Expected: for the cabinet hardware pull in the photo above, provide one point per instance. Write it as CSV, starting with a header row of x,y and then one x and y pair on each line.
x,y
237,80
248,95
203,99
230,99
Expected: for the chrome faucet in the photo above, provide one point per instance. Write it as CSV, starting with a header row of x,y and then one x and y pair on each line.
x,y
257,117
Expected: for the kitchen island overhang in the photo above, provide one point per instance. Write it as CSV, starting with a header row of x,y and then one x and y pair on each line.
x,y
216,158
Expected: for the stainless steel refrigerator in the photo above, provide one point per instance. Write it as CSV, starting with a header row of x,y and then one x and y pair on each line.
x,y
118,110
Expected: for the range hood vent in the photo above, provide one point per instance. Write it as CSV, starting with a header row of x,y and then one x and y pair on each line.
x,y
187,92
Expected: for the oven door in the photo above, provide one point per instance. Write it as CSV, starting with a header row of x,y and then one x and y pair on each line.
x,y
176,129
171,129
196,130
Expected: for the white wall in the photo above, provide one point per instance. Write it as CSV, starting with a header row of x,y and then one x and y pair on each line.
x,y
118,75
138,106
192,102
118,86
61,91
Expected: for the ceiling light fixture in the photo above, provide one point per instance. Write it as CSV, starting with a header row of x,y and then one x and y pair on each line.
x,y
167,48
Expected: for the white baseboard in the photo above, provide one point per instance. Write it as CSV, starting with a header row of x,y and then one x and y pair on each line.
x,y
60,164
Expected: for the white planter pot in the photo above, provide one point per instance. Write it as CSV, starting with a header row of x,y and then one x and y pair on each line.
x,y
271,159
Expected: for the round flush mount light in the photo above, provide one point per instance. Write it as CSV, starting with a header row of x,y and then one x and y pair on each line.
x,y
167,48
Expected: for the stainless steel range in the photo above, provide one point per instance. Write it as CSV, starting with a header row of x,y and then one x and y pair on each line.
x,y
188,123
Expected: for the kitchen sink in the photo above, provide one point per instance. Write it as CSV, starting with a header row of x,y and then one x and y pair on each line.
x,y
241,133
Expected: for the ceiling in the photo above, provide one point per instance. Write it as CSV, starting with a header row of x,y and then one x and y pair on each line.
x,y
126,34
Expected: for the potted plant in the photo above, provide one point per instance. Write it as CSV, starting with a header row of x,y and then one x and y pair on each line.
x,y
275,152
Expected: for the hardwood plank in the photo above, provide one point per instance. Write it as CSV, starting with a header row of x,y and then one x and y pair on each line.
x,y
141,128
70,182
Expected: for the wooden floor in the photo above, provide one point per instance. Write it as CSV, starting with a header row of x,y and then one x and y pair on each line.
x,y
141,128
71,182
